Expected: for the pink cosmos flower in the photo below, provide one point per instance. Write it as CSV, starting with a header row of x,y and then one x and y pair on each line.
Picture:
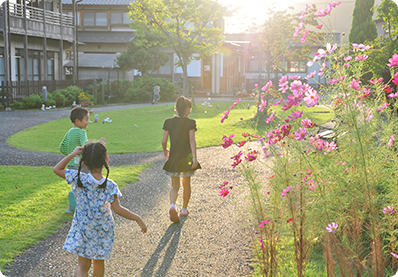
x,y
237,156
382,107
393,95
308,171
307,123
262,105
270,118
376,81
319,26
236,163
251,156
329,49
332,227
329,147
240,144
289,220
316,142
227,141
348,58
295,115
386,88
360,47
261,242
224,116
334,4
223,185
395,79
355,85
394,255
300,134
322,69
388,210
263,223
286,107
341,78
369,116
311,75
224,192
333,81
256,85
304,37
324,11
311,98
391,141
393,61
295,99
346,65
296,86
285,191
361,57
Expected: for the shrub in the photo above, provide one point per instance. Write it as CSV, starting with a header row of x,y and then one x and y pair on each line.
x,y
143,87
59,98
32,102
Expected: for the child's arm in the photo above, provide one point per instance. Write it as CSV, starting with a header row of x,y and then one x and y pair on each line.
x,y
62,147
59,169
164,143
192,142
122,211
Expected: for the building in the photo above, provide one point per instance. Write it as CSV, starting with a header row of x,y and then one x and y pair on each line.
x,y
35,35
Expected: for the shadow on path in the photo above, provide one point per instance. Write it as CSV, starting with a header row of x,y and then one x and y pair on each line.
x,y
172,233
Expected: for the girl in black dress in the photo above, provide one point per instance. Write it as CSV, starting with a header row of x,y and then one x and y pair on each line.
x,y
182,160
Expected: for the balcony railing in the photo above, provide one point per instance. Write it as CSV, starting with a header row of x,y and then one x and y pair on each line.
x,y
36,14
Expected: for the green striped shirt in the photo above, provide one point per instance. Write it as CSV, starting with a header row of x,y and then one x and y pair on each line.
x,y
73,138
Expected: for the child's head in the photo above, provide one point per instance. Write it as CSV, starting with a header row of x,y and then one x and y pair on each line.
x,y
95,157
79,117
183,106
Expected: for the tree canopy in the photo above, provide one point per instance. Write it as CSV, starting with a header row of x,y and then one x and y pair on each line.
x,y
146,58
187,26
363,27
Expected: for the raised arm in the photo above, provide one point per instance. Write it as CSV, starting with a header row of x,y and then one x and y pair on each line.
x,y
192,142
59,168
122,211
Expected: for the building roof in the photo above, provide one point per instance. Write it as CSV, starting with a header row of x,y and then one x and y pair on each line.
x,y
95,60
100,2
105,37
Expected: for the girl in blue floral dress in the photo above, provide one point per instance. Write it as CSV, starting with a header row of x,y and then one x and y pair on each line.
x,y
91,236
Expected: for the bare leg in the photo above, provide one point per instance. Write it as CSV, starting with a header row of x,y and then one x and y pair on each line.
x,y
99,268
175,186
186,184
83,267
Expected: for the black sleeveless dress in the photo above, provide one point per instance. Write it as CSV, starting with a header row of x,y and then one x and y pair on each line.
x,y
180,156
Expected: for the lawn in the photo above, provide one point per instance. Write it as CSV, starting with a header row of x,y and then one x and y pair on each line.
x,y
123,137
33,204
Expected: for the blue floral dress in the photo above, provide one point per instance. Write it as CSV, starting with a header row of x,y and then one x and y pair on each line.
x,y
92,233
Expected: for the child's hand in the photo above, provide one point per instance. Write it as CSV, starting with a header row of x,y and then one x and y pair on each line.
x,y
142,225
166,153
194,163
78,150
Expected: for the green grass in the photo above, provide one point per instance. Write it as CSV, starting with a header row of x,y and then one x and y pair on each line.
x,y
33,204
122,137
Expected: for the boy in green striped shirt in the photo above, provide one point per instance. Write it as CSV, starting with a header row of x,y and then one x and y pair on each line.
x,y
76,136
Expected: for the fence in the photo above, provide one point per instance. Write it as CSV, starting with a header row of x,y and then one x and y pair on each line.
x,y
16,90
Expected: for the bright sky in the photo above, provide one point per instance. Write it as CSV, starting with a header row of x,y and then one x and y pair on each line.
x,y
250,9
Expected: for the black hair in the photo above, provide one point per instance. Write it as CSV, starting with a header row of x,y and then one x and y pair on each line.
x,y
77,113
182,105
94,156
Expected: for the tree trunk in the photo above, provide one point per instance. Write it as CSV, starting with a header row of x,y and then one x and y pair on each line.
x,y
185,90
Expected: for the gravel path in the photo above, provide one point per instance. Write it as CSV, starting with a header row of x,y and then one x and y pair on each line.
x,y
209,242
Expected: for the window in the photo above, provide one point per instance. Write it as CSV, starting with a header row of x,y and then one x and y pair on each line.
x,y
88,19
297,66
101,19
95,19
116,18
19,64
119,18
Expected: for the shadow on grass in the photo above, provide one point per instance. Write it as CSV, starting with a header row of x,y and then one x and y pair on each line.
x,y
172,234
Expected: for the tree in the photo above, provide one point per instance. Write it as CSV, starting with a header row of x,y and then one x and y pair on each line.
x,y
187,26
363,27
145,58
384,47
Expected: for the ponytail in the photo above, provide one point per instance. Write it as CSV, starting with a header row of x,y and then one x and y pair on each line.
x,y
103,185
79,183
